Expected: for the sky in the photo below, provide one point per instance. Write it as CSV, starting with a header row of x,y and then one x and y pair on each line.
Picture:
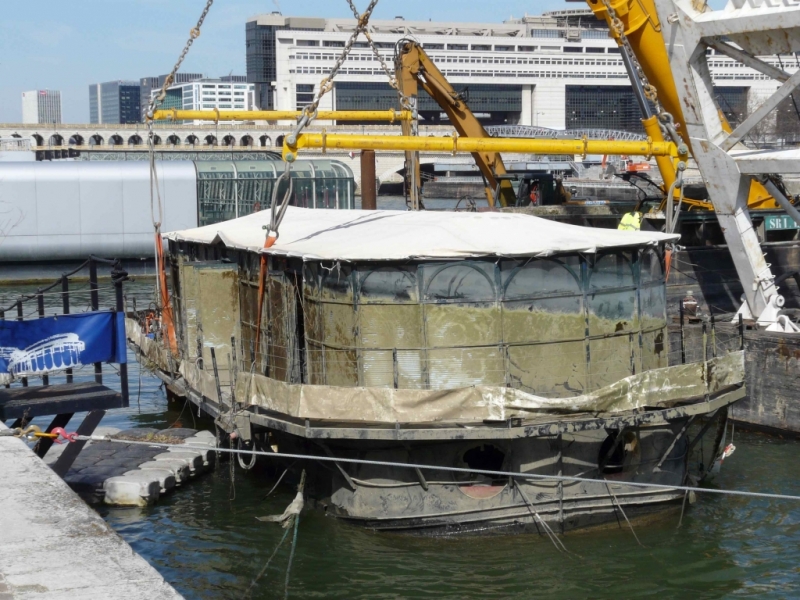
x,y
69,44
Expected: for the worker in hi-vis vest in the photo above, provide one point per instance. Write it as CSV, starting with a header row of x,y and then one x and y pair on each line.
x,y
632,221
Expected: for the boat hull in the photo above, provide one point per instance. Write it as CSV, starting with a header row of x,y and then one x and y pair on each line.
x,y
438,502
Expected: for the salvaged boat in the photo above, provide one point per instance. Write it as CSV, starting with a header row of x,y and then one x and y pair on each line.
x,y
484,341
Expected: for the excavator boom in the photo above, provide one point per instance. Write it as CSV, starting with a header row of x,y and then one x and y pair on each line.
x,y
415,69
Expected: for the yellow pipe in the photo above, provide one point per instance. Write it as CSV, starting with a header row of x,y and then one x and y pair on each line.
x,y
665,163
281,115
465,144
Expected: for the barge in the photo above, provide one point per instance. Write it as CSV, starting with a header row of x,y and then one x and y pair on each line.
x,y
500,343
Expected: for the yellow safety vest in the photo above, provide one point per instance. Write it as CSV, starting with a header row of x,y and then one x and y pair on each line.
x,y
631,221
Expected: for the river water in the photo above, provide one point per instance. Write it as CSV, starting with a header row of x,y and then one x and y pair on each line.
x,y
205,539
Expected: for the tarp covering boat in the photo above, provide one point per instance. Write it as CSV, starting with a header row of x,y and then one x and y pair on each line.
x,y
400,235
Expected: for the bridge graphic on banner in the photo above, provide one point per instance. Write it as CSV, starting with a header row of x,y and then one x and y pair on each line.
x,y
54,353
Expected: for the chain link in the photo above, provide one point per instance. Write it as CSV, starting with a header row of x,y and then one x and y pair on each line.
x,y
194,33
362,20
650,91
405,103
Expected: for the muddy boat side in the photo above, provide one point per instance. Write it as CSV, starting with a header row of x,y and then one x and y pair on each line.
x,y
535,348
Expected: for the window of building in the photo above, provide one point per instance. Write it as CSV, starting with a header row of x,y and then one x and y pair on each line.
x,y
308,42
433,46
575,49
613,50
499,48
595,50
483,47
457,47
333,44
544,33
526,48
304,95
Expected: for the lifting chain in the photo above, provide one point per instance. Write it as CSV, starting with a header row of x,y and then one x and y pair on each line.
x,y
310,112
157,99
162,295
405,103
651,93
326,85
194,33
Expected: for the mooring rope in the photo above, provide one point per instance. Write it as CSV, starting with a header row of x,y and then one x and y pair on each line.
x,y
385,463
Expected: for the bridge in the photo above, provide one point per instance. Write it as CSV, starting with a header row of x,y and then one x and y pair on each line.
x,y
238,141
245,136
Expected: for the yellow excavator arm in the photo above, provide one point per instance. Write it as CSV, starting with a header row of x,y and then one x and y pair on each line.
x,y
415,69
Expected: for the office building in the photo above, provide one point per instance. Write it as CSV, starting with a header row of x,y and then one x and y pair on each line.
x,y
559,70
41,106
225,93
115,102
148,84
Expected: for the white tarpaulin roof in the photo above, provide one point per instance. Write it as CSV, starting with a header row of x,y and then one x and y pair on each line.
x,y
355,235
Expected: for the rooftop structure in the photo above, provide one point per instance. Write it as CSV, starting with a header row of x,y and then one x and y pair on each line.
x,y
41,106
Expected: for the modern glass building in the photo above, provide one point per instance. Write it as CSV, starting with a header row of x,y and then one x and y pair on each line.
x,y
148,84
115,102
227,190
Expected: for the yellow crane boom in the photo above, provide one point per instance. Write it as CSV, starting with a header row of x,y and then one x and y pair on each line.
x,y
641,26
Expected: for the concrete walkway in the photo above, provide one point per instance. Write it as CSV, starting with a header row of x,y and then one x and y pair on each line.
x,y
52,545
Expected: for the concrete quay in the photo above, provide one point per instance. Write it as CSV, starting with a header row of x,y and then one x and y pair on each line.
x,y
53,546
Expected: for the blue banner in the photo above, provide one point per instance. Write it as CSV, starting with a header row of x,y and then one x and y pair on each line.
x,y
39,346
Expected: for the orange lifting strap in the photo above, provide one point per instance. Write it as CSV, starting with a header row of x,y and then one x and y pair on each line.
x,y
262,280
167,321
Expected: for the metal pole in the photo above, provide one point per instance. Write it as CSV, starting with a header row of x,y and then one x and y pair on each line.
x,y
3,318
683,343
741,332
65,310
636,83
40,310
369,200
216,374
123,367
20,317
705,343
713,337
95,299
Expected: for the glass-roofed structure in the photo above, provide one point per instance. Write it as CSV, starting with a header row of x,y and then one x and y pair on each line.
x,y
230,189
